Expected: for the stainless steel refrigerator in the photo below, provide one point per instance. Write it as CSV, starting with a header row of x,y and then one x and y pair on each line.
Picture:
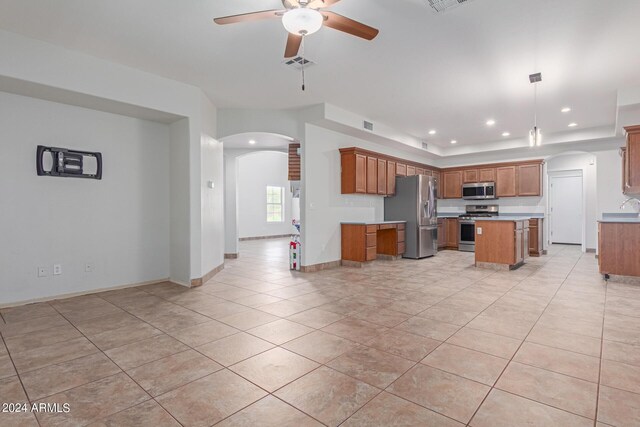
x,y
416,201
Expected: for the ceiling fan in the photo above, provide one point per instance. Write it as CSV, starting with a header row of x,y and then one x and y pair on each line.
x,y
302,18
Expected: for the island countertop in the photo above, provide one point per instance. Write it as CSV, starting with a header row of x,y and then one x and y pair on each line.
x,y
372,222
624,218
504,218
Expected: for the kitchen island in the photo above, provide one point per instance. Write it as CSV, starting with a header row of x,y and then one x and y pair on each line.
x,y
502,242
619,247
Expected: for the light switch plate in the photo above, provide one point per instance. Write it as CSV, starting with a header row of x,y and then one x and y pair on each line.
x,y
479,230
57,269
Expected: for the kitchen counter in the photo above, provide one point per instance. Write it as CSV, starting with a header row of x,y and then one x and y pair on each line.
x,y
372,222
625,218
449,214
504,218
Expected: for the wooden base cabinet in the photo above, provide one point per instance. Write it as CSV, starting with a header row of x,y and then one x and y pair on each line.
x,y
502,243
364,242
536,237
451,233
618,248
442,233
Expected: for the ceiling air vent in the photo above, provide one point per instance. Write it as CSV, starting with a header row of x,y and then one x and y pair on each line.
x,y
368,125
425,146
296,63
440,6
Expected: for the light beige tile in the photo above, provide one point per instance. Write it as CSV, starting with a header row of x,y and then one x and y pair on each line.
x,y
145,351
409,346
280,331
11,391
320,346
173,371
557,390
147,414
269,412
51,354
203,333
232,349
561,361
315,318
471,364
486,342
618,407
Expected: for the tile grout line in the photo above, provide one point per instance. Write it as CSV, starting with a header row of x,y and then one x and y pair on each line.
x,y
520,346
24,390
604,315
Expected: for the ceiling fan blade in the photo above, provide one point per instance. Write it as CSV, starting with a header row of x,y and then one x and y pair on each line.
x,y
248,17
293,45
346,25
318,4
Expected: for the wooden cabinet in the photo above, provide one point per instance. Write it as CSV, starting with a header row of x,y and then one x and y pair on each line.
x,y
487,175
631,166
470,176
367,172
623,154
529,178
506,181
536,238
354,173
451,233
372,175
391,177
382,177
364,242
452,184
442,234
618,248
501,242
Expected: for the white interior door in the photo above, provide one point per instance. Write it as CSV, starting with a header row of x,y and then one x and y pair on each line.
x,y
566,209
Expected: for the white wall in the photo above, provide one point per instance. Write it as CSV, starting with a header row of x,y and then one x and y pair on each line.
x,y
120,224
256,171
586,163
323,205
89,80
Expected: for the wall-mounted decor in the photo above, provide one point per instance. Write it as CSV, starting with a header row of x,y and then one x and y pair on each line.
x,y
52,161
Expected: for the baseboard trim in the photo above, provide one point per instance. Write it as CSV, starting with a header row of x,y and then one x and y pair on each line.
x,y
204,279
82,293
319,267
231,256
278,236
352,264
591,250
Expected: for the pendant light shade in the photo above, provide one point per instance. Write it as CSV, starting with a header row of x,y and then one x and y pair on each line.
x,y
535,134
302,21
535,137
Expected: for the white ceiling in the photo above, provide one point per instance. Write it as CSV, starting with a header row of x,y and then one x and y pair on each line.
x,y
262,140
449,72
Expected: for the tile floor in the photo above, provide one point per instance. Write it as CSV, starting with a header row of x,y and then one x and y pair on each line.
x,y
432,342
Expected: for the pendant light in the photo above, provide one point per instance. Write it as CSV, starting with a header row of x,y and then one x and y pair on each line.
x,y
535,134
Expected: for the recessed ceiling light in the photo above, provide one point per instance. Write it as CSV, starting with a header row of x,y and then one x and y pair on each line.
x,y
566,109
252,141
491,122
506,134
572,125
453,141
432,132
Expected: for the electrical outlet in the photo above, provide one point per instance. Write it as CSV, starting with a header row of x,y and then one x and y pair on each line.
x,y
43,272
479,231
57,269
88,267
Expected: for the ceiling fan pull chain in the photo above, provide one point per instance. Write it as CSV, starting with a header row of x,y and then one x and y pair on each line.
x,y
303,60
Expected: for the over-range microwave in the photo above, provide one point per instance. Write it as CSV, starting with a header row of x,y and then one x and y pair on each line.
x,y
479,191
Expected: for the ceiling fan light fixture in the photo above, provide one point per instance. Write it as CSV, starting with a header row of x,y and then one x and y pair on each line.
x,y
302,21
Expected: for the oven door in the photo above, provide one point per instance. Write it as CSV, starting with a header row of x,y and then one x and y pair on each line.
x,y
467,239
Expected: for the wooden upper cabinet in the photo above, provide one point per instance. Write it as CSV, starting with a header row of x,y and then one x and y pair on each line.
x,y
420,171
452,184
382,177
470,176
427,172
354,173
487,175
411,170
623,154
506,181
401,169
529,180
391,177
631,167
372,175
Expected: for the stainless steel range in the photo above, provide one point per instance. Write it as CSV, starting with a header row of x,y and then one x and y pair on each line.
x,y
467,224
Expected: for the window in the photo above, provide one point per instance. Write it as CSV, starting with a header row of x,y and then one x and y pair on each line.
x,y
275,204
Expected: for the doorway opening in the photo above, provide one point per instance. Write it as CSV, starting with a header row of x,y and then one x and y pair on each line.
x,y
566,207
